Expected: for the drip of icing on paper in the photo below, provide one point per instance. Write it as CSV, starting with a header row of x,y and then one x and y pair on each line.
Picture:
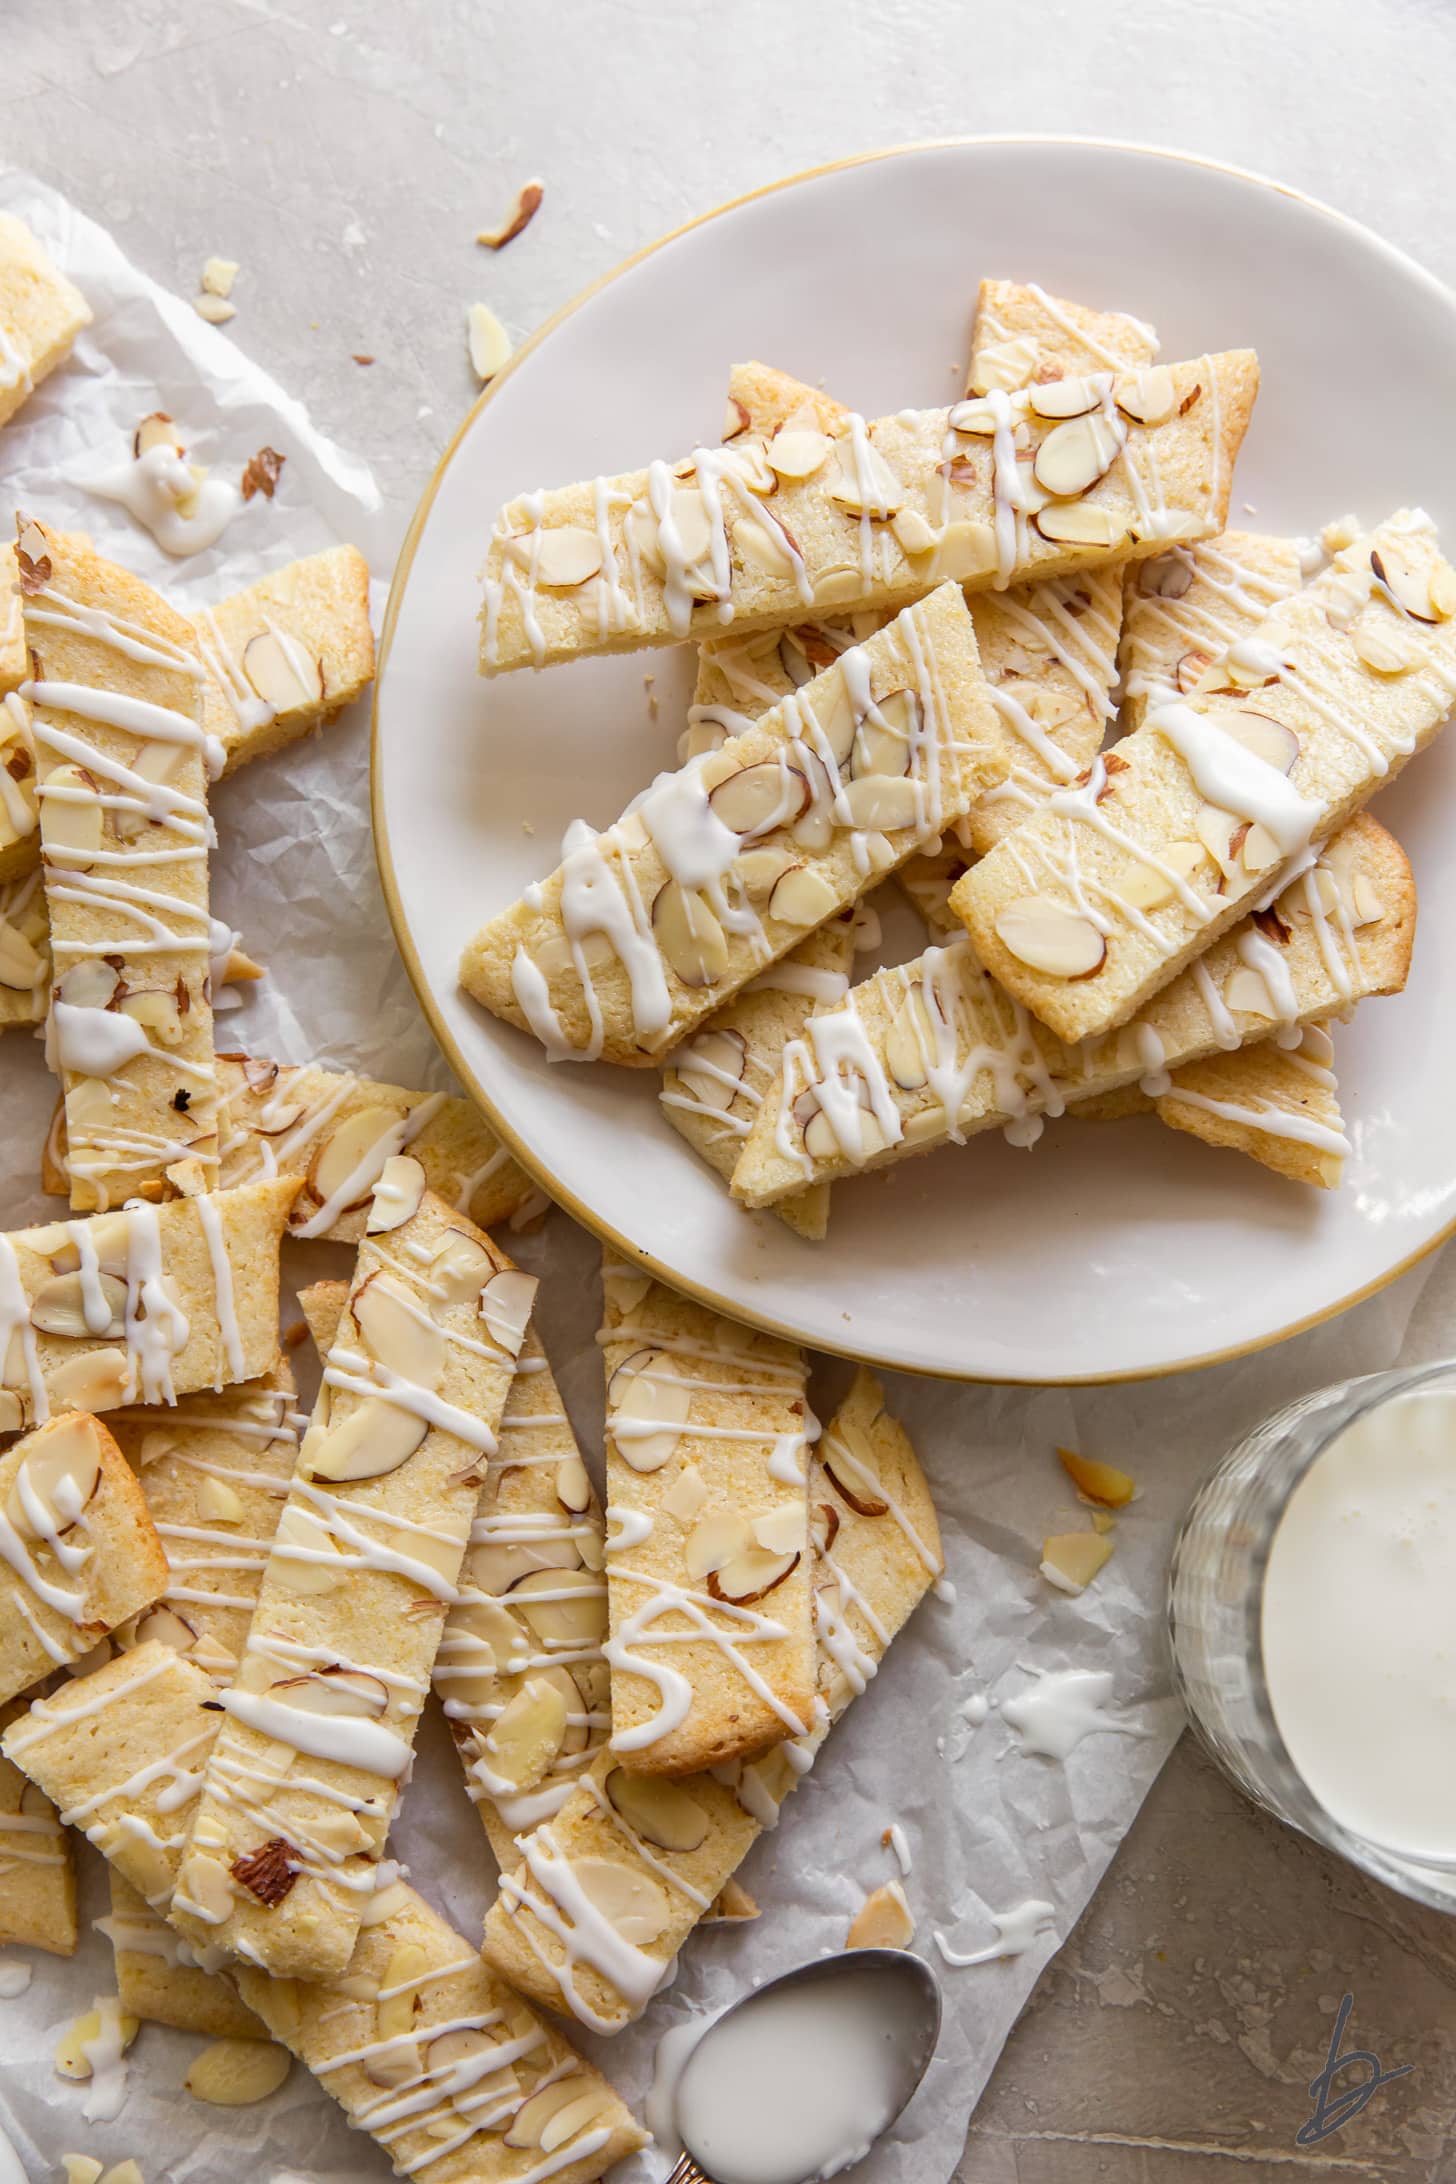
x,y
1063,1706
14,1977
1016,1930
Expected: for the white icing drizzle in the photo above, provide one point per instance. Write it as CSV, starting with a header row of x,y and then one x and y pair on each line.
x,y
1016,1931
350,1742
1237,779
1269,1120
155,489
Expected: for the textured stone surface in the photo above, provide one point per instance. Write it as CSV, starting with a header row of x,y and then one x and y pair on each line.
x,y
345,151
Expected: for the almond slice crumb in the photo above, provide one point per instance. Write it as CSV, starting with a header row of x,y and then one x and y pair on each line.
x,y
490,344
215,309
1103,1522
124,2172
218,276
527,205
235,2073
883,1920
1070,1560
1099,1482
262,473
81,2168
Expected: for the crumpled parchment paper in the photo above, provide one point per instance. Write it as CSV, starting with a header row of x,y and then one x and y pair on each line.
x,y
988,1823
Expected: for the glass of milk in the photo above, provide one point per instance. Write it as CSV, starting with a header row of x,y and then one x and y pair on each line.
x,y
1312,1606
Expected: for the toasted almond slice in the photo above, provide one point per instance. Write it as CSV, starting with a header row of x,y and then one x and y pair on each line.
x,y
56,1482
755,800
1266,737
692,941
1247,992
780,1531
731,1905
660,1811
573,1485
750,1575
1143,887
797,454
909,1040
1065,398
399,1989
549,2110
863,482
1078,523
235,2073
81,2168
567,555
219,1502
715,1539
1165,576
1074,456
1408,585
1192,666
339,1693
1384,645
710,1068
164,1626
630,1899
71,821
913,534
397,1334
302,1528
72,1305
836,587
349,1162
490,344
973,416
1047,937
562,1607
397,1194
1098,1481
876,800
964,550
1217,831
883,1920
523,1744
505,1307
1070,1560
882,743
282,676
803,898
460,1267
1003,366
375,1438
394,2063
762,547
1260,852
1148,396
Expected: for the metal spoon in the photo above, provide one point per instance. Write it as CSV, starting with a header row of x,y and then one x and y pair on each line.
x,y
911,2000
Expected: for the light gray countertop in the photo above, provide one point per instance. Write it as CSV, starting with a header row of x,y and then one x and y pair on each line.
x,y
345,152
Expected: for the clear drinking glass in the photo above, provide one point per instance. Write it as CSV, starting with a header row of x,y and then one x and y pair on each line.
x,y
1215,1615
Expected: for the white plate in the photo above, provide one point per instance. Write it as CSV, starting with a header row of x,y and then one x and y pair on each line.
x,y
1112,1250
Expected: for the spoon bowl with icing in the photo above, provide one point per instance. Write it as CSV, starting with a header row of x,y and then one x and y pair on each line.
x,y
796,2082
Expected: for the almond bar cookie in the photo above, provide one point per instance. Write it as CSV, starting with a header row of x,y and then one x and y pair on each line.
x,y
158,1979
714,1082
1184,609
307,1771
214,1473
932,1051
452,2074
144,1305
37,1870
994,490
116,703
726,865
1104,895
80,1551
1023,337
40,314
1278,1106
591,1920
520,1670
287,655
708,1581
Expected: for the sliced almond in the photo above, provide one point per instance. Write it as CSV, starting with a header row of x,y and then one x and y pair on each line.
x,y
658,1810
56,1481
1365,903
85,2031
219,1502
1004,366
1247,992
802,898
375,1438
12,1411
1217,831
711,1066
235,2073
97,1381
342,1693
157,1013
490,345
1079,523
913,534
1266,737
780,1531
282,675
1442,591
838,586
731,1905
883,1920
505,1307
1060,398
396,1333
1165,576
61,1306
399,1989
1070,1560
1384,645
973,416
496,1567
164,1626
757,799
206,1886
1098,1481
626,1896
1407,582
1260,852
715,1539
848,1460
523,1743
569,2121
1149,396
398,1194
875,800
1142,887
692,941
1050,938
393,2063
300,1528
761,547
884,738
573,1486
566,555
460,1267
536,2115
1074,456
562,1607
22,967
964,550
71,824
909,1040
797,454
750,1575
647,1392
863,482
348,1164
157,430
736,418
757,869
